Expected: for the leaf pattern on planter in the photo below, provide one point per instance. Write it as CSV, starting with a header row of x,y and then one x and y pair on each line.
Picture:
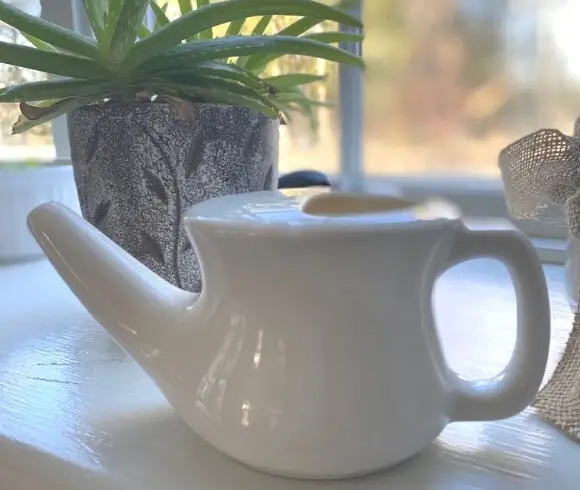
x,y
86,154
101,213
195,154
159,142
268,180
151,248
92,144
155,185
253,143
186,162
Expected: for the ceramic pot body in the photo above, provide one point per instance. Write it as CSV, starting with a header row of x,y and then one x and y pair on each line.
x,y
312,350
138,167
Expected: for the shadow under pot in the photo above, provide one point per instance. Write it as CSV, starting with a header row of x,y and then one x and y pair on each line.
x,y
138,167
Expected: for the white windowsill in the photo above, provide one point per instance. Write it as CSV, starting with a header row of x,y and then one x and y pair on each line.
x,y
550,250
77,413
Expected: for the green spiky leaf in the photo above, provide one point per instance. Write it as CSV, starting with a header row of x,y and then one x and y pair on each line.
x,y
48,32
297,28
128,24
293,79
161,18
262,25
189,54
120,68
219,70
53,89
208,33
112,18
96,11
143,32
51,62
51,111
219,13
235,27
290,103
188,91
260,28
185,6
220,84
37,43
259,63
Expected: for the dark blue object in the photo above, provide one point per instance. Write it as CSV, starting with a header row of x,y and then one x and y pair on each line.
x,y
303,178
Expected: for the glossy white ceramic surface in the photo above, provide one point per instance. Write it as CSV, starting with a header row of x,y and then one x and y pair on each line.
x,y
20,192
311,351
77,414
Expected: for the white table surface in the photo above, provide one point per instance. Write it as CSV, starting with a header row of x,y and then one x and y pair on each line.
x,y
76,413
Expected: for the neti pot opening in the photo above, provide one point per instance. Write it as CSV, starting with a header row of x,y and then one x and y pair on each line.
x,y
337,204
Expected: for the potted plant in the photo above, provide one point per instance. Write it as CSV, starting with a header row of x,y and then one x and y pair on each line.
x,y
162,118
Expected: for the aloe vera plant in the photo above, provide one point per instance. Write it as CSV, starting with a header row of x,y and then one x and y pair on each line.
x,y
179,61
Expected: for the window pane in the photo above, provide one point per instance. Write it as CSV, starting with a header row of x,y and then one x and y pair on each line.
x,y
449,85
35,145
301,145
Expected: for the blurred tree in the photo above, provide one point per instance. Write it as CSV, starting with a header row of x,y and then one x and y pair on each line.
x,y
435,72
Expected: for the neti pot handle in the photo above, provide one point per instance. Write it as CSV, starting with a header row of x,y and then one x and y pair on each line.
x,y
514,388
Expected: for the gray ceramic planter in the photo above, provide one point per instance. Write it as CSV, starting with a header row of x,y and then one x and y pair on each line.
x,y
138,167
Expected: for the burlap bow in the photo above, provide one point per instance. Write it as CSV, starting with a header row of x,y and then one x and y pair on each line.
x,y
537,170
543,168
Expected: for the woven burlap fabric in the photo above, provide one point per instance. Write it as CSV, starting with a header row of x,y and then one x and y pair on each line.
x,y
541,169
559,400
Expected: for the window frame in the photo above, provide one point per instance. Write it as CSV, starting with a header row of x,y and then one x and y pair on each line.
x,y
476,197
60,12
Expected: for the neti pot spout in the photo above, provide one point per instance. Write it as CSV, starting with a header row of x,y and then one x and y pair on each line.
x,y
140,310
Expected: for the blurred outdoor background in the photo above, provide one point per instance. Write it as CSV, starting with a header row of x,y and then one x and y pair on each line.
x,y
448,84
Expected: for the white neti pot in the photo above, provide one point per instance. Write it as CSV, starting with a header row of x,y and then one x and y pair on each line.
x,y
21,190
311,350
